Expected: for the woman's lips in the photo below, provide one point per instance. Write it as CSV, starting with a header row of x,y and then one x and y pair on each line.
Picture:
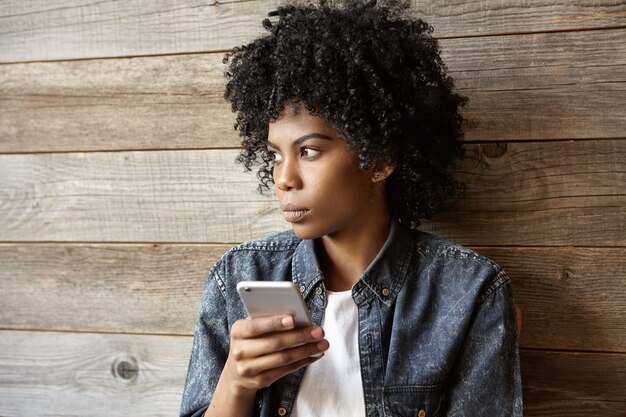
x,y
294,216
293,213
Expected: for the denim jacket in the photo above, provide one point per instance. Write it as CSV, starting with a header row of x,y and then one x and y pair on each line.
x,y
437,328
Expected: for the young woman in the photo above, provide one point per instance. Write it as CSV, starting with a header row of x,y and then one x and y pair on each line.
x,y
351,116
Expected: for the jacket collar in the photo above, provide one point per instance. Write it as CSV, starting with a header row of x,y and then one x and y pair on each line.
x,y
383,278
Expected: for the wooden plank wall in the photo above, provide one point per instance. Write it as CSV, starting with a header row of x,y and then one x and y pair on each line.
x,y
118,191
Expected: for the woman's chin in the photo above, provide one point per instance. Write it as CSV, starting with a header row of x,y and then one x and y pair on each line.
x,y
305,231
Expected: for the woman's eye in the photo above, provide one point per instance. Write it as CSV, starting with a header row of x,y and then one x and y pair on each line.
x,y
276,157
308,152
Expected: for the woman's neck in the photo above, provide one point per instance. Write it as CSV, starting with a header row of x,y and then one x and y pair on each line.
x,y
345,256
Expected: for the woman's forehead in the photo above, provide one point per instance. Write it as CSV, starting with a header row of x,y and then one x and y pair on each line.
x,y
297,123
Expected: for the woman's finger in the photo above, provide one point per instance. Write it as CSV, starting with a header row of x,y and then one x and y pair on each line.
x,y
253,367
250,328
267,378
252,348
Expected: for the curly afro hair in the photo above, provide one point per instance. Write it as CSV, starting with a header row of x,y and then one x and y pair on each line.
x,y
371,71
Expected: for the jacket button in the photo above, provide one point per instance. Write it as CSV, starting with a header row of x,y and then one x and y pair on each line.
x,y
302,288
282,411
318,290
421,413
386,293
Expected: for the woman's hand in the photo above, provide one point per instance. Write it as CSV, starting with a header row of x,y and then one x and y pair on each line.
x,y
262,350
265,349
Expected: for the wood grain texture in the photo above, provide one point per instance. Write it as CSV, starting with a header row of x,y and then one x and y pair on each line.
x,y
571,298
543,86
560,384
73,374
137,103
70,29
562,193
553,193
104,288
189,196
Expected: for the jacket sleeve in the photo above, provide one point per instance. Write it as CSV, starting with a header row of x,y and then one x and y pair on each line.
x,y
486,379
210,347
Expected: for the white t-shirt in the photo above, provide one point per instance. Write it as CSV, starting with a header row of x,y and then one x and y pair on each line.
x,y
332,386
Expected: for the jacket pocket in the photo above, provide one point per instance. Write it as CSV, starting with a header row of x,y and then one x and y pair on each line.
x,y
413,400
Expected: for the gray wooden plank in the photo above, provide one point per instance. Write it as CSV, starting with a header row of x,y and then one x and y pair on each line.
x,y
529,193
544,86
535,193
74,374
70,29
554,85
123,288
176,196
571,298
138,103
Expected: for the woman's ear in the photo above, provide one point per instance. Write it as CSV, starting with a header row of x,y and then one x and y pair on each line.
x,y
383,171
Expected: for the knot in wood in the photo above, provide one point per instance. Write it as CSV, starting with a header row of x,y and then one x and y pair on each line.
x,y
494,150
125,368
566,275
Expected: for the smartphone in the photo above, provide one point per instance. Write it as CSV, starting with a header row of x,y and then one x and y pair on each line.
x,y
271,298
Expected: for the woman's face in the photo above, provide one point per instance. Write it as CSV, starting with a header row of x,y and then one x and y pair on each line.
x,y
320,187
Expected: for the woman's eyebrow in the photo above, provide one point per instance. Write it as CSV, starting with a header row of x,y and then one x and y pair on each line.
x,y
305,137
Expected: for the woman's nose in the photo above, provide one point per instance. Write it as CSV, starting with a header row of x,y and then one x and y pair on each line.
x,y
287,175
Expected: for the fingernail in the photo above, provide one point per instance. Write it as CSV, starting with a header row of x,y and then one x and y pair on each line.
x,y
323,345
287,322
317,333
